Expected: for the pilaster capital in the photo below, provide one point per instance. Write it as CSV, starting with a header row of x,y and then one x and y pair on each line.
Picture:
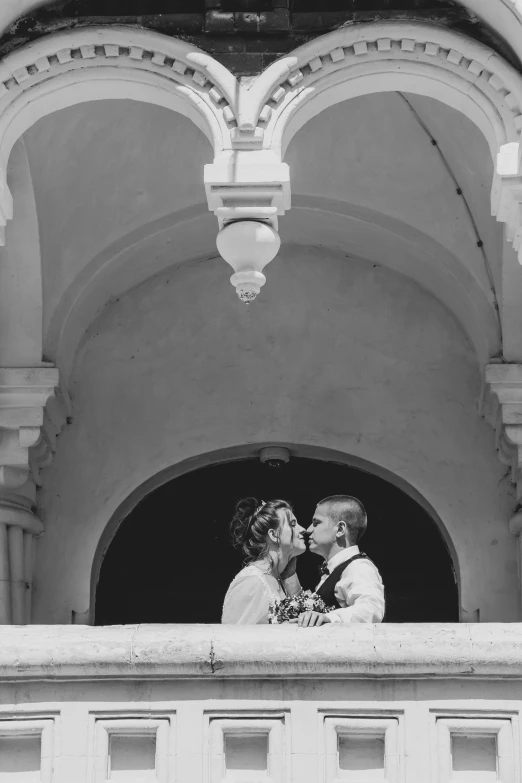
x,y
502,408
18,510
32,412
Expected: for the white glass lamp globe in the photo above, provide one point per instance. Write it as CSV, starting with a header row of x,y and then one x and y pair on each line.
x,y
248,246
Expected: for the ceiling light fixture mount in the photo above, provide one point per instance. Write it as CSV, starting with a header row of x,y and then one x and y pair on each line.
x,y
248,246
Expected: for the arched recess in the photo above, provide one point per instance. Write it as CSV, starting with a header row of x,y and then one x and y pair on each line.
x,y
301,454
190,234
176,238
406,57
111,62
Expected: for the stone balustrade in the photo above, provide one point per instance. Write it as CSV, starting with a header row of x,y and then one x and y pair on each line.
x,y
194,704
260,652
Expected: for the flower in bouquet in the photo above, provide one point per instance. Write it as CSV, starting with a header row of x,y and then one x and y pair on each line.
x,y
281,610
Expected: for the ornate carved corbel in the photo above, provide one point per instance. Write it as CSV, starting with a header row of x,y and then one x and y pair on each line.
x,y
502,408
24,394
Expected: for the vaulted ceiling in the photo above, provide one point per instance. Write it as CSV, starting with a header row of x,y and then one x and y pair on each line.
x,y
119,196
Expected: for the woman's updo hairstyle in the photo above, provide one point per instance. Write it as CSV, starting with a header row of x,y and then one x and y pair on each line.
x,y
250,525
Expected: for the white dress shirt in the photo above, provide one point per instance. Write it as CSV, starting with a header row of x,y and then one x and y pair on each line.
x,y
359,591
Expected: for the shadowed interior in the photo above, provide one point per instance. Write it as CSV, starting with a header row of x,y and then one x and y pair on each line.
x,y
171,560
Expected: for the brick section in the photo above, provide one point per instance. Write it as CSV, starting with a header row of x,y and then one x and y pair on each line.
x,y
275,22
217,22
245,28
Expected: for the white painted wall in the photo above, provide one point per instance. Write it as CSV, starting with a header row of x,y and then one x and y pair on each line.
x,y
373,151
335,353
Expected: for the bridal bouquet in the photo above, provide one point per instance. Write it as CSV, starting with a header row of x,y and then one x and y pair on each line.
x,y
283,609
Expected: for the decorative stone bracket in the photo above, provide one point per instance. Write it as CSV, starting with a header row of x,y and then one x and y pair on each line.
x,y
32,412
502,408
248,185
247,191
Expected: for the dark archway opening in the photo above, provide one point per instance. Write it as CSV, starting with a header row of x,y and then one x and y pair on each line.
x,y
171,560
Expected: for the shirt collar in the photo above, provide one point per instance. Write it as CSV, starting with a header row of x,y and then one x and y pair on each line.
x,y
340,557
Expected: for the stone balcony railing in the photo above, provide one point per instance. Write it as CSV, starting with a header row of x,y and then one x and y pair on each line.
x,y
194,704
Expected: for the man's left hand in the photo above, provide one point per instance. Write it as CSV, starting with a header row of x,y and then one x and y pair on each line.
x,y
309,619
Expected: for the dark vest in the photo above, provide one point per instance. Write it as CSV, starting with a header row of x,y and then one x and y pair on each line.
x,y
327,589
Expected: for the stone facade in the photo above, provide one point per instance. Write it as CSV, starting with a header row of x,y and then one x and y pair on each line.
x,y
360,172
67,257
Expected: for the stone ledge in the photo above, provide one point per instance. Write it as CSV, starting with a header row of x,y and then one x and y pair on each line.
x,y
488,651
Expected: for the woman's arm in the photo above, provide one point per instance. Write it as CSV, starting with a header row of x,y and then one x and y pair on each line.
x,y
246,602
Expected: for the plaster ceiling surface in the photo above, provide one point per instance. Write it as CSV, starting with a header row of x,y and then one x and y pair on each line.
x,y
101,171
377,151
119,194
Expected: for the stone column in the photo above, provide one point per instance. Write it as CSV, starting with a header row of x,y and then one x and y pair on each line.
x,y
18,527
31,415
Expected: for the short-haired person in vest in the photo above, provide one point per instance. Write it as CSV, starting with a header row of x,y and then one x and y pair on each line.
x,y
349,580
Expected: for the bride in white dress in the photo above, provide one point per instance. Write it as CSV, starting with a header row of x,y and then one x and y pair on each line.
x,y
271,539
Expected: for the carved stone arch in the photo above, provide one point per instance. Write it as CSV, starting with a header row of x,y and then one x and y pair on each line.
x,y
111,62
387,56
397,56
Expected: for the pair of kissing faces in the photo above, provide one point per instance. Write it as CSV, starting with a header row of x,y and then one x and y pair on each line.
x,y
295,539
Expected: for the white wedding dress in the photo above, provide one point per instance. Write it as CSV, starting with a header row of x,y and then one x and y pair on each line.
x,y
249,595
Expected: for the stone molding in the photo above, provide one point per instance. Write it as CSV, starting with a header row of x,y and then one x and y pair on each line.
x,y
16,510
249,125
249,113
206,83
501,406
487,651
433,61
352,53
163,70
